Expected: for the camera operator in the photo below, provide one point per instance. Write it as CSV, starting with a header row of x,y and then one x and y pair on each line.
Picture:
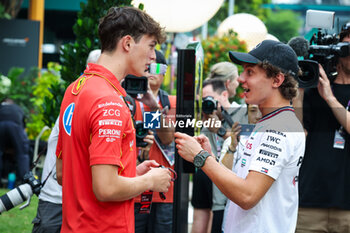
x,y
159,220
206,196
324,184
96,149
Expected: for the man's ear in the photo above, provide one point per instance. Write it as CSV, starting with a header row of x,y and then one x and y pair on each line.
x,y
126,42
225,94
278,80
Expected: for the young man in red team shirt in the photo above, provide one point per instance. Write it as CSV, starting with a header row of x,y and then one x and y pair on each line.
x,y
96,150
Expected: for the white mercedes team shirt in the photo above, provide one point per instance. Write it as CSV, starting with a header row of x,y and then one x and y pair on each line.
x,y
275,148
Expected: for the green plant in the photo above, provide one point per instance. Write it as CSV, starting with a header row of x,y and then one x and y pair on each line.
x,y
284,24
73,55
21,87
249,6
45,103
216,50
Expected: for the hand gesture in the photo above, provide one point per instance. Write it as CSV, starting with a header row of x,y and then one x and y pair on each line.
x,y
145,166
187,146
323,86
236,129
161,178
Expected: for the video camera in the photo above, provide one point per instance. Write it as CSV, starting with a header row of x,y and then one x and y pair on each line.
x,y
209,104
21,193
323,48
133,86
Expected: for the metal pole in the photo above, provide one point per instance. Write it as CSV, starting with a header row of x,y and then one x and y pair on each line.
x,y
231,7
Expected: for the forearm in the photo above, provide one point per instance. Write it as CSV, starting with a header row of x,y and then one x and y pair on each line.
x,y
340,113
232,186
109,187
59,171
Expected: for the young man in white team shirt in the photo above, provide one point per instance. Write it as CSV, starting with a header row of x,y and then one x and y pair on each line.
x,y
264,192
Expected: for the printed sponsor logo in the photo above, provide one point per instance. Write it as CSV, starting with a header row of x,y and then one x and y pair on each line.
x,y
109,104
273,139
276,132
110,122
268,153
244,161
109,133
21,42
264,170
265,160
248,145
111,112
272,147
67,118
246,154
110,139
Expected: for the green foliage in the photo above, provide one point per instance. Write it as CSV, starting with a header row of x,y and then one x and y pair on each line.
x,y
73,55
248,6
45,102
284,24
21,87
3,14
16,220
253,7
216,50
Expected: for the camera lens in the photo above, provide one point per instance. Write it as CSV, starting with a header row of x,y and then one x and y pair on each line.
x,y
209,104
141,133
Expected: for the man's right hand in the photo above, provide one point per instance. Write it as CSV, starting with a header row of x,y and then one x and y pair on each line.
x,y
161,178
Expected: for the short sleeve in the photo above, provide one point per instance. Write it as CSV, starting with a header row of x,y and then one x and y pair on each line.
x,y
270,154
110,120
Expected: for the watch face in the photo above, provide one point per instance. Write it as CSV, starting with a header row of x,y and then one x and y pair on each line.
x,y
197,161
200,158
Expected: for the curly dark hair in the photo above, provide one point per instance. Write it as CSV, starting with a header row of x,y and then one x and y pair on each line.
x,y
289,87
122,21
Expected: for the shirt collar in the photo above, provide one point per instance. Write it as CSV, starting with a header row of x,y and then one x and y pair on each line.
x,y
104,73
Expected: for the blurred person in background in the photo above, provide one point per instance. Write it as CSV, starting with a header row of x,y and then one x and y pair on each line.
x,y
324,180
13,137
160,218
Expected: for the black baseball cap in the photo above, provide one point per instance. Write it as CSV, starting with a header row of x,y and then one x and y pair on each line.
x,y
274,52
160,57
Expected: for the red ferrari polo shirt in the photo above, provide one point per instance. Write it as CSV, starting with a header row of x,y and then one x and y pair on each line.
x,y
95,128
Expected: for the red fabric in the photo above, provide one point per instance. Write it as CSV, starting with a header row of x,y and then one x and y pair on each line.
x,y
156,154
101,132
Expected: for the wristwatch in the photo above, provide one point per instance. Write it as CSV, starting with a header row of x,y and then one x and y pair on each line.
x,y
222,131
200,158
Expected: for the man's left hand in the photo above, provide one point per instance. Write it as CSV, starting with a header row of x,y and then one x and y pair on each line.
x,y
145,166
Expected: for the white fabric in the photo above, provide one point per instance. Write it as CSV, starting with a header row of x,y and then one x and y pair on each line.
x,y
52,191
275,148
